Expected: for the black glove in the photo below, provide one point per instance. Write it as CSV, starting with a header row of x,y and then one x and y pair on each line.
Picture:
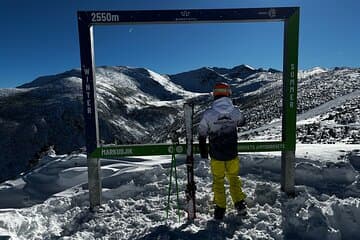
x,y
202,147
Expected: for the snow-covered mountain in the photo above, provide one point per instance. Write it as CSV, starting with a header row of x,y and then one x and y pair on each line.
x,y
133,103
137,105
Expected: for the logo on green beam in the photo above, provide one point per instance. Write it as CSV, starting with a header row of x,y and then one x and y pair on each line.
x,y
178,149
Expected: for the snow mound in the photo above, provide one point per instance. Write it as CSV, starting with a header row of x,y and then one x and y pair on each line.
x,y
309,218
135,192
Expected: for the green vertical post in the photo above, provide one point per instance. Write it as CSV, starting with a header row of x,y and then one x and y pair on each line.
x,y
290,71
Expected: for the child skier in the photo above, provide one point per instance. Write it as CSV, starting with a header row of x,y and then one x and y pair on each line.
x,y
219,123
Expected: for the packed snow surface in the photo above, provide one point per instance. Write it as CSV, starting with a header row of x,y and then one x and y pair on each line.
x,y
51,201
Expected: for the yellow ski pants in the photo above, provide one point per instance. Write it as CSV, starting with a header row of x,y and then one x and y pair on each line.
x,y
230,169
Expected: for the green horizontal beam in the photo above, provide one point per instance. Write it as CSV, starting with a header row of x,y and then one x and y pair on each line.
x,y
116,151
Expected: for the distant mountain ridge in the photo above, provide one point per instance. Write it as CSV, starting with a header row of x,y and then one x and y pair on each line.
x,y
137,105
48,111
203,79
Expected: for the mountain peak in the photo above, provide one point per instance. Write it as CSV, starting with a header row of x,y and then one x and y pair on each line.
x,y
244,66
44,80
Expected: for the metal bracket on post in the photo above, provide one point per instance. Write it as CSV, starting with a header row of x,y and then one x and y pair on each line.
x,y
94,178
288,172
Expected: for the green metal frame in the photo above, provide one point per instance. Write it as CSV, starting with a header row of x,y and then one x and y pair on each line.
x,y
290,17
88,19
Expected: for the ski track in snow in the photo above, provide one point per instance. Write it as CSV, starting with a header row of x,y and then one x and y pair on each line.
x,y
327,204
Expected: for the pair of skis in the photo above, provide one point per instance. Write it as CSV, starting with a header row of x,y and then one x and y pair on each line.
x,y
190,187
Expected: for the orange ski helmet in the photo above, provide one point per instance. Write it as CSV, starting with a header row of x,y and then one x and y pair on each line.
x,y
222,90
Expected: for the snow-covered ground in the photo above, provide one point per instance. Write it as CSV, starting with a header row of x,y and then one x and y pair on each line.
x,y
51,201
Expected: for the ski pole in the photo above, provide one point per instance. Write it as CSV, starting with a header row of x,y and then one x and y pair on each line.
x,y
173,165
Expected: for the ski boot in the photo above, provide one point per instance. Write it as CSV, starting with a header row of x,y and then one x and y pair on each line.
x,y
219,213
241,208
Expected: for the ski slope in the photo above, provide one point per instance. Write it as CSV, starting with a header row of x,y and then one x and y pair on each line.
x,y
51,201
273,130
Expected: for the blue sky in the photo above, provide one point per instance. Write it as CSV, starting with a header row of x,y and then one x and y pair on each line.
x,y
40,37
